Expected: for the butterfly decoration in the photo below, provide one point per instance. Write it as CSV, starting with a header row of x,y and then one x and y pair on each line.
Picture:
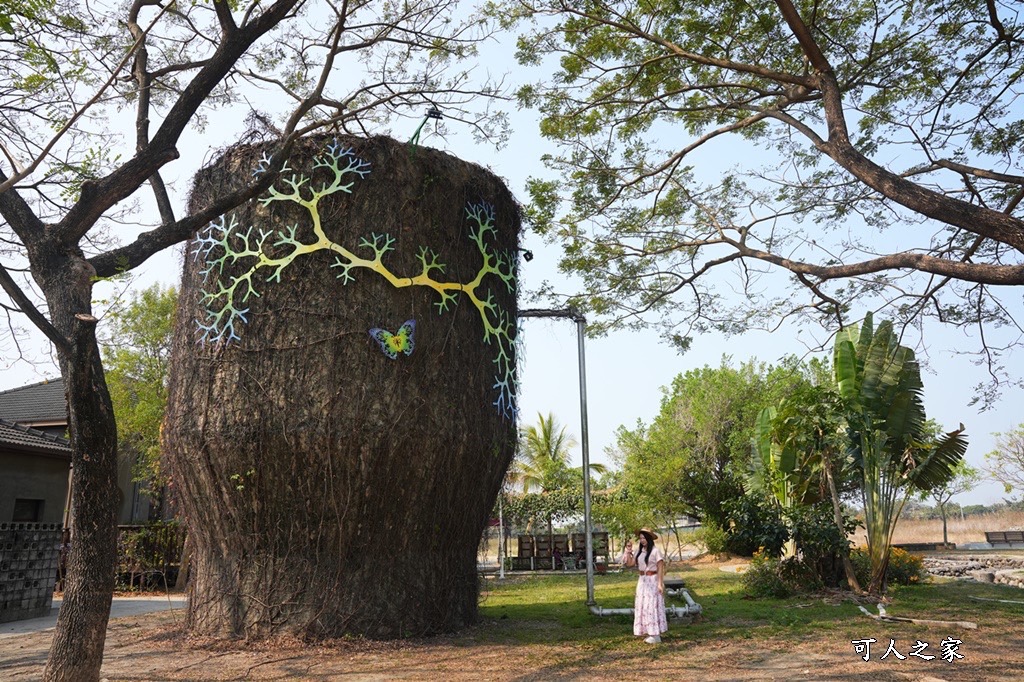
x,y
399,342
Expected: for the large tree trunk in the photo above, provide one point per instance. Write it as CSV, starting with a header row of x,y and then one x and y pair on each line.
x,y
76,652
329,489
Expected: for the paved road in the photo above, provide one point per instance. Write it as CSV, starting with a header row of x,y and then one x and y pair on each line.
x,y
122,606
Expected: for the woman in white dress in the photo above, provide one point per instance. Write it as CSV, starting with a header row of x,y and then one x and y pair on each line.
x,y
649,605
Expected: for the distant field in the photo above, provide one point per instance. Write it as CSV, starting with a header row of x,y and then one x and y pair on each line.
x,y
970,529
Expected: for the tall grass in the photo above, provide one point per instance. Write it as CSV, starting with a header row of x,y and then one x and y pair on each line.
x,y
960,530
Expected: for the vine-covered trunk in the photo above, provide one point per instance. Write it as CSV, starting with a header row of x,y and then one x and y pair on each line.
x,y
336,438
76,652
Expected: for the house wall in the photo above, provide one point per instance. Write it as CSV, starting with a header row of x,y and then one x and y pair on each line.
x,y
35,477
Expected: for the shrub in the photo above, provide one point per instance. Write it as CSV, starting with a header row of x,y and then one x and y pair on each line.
x,y
711,536
767,576
762,579
821,545
755,524
904,568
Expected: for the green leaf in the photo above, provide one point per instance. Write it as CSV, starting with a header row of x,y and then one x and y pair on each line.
x,y
938,466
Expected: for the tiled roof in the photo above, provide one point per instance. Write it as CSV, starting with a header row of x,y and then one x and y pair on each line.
x,y
23,438
42,402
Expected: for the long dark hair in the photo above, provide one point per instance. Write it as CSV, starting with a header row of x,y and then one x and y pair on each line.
x,y
647,557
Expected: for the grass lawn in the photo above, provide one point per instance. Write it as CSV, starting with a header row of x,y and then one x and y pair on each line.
x,y
818,630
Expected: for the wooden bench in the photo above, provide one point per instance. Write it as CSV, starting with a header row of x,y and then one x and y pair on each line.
x,y
1004,536
542,557
523,561
599,544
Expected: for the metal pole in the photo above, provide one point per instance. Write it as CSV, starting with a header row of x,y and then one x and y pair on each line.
x,y
581,323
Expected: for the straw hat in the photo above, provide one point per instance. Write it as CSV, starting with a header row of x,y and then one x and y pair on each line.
x,y
648,531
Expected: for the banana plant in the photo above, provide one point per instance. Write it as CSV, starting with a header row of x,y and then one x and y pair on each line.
x,y
879,382
782,469
802,440
773,464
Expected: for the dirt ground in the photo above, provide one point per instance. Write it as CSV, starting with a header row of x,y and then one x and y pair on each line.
x,y
153,647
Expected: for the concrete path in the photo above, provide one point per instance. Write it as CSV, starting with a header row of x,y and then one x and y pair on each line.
x,y
122,606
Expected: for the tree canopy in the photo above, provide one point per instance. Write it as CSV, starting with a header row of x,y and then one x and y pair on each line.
x,y
1006,462
693,458
136,353
866,149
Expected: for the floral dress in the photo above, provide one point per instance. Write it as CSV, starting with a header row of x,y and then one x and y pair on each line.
x,y
649,605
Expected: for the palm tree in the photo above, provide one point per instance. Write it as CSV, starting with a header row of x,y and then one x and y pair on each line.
x,y
542,462
879,382
544,451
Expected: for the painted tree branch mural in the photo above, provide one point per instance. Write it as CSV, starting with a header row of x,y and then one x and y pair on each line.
x,y
227,296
